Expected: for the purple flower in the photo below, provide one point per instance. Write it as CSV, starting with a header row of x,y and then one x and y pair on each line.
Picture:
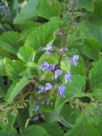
x,y
51,67
36,108
61,90
41,89
44,66
68,77
58,72
75,59
48,86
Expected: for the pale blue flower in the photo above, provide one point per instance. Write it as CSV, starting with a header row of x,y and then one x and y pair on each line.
x,y
58,72
75,59
44,66
68,77
41,89
48,86
51,67
61,90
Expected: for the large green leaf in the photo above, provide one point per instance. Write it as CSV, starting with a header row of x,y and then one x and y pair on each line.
x,y
13,132
10,41
69,113
16,88
36,130
91,31
95,17
90,48
43,34
92,21
28,11
83,128
47,9
26,54
75,87
95,75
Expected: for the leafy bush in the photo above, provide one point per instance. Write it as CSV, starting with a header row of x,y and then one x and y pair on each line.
x,y
51,68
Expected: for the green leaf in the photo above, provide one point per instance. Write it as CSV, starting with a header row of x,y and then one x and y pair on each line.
x,y
10,41
95,75
43,34
26,54
30,71
65,66
11,133
54,129
97,93
86,4
14,68
47,9
4,53
95,17
16,88
69,113
75,87
82,127
80,68
36,130
8,125
90,48
28,12
90,31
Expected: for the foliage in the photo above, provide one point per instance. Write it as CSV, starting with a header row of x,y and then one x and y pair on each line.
x,y
50,67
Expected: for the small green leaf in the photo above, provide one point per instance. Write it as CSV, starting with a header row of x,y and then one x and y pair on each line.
x,y
14,68
10,41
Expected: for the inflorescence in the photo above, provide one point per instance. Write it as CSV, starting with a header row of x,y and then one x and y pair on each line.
x,y
57,72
